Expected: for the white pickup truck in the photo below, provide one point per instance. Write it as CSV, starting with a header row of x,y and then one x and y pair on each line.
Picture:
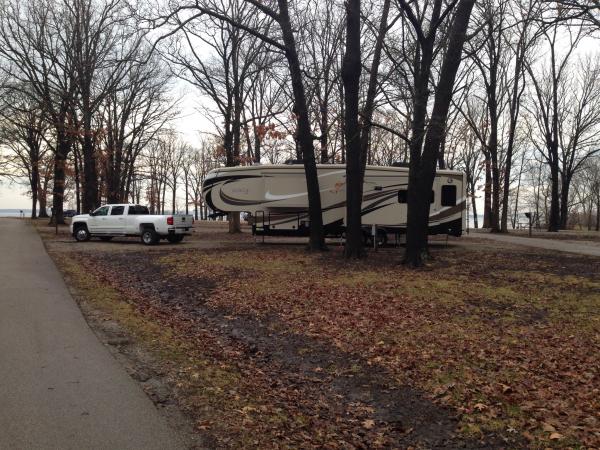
x,y
109,221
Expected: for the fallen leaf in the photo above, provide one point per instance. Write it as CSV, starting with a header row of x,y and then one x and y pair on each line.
x,y
368,424
549,428
556,436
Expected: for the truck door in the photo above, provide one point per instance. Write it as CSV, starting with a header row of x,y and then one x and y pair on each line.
x,y
97,223
116,220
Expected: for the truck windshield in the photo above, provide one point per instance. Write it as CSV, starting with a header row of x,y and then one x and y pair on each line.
x,y
137,210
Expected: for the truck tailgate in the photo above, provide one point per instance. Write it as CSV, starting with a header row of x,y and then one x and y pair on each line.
x,y
182,221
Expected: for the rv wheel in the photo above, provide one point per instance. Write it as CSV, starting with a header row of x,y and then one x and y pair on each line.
x,y
382,238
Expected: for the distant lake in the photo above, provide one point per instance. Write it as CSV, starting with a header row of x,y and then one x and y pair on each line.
x,y
472,220
14,212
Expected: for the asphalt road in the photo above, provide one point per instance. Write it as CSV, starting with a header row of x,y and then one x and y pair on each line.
x,y
60,388
577,247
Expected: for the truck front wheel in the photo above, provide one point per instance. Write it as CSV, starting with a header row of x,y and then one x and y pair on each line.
x,y
82,234
149,237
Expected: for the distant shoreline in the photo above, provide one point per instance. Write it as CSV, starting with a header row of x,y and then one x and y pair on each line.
x,y
11,212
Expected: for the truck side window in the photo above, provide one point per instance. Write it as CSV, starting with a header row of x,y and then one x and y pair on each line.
x,y
117,210
402,196
448,195
103,211
137,210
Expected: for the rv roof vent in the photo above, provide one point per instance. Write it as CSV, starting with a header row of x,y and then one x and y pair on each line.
x,y
293,161
400,164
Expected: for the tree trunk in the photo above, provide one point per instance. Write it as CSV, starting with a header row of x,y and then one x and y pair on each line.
x,y
173,200
234,222
90,175
493,152
504,209
564,202
354,181
58,191
554,216
304,134
474,205
234,218
164,196
368,109
422,173
187,208
35,179
598,212
495,225
324,128
417,209
42,200
257,145
487,194
515,103
77,182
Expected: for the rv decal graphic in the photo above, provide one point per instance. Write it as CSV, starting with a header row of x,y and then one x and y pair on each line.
x,y
275,197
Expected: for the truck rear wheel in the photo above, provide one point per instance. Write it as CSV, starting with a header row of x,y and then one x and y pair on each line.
x,y
175,238
149,237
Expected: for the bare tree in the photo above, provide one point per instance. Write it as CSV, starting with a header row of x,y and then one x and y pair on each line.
x,y
22,130
425,142
104,43
131,115
36,44
549,90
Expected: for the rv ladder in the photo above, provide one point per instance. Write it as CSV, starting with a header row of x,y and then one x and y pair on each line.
x,y
259,224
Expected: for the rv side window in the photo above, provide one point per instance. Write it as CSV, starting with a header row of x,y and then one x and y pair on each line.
x,y
402,196
448,195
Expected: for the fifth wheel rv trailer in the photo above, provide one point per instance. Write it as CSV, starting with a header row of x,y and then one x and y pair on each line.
x,y
276,198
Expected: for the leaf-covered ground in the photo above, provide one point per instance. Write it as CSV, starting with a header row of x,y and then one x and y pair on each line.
x,y
272,347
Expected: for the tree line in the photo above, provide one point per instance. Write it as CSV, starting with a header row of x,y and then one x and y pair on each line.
x,y
501,89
